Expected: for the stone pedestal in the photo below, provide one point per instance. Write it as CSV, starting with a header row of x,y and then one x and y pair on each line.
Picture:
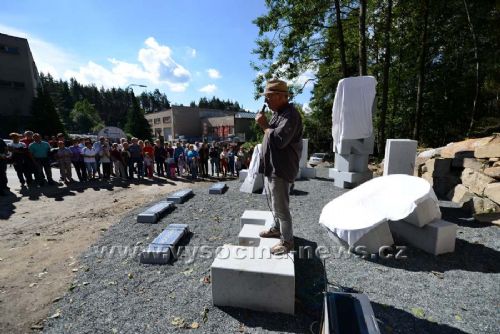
x,y
400,155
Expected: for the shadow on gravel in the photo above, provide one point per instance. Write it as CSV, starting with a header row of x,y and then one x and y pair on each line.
x,y
462,217
467,256
7,207
393,320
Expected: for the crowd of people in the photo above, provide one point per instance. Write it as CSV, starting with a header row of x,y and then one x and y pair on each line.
x,y
32,158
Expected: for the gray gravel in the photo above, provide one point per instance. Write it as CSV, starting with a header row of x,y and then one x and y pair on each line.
x,y
454,293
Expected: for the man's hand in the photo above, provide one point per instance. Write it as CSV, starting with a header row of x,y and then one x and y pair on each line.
x,y
261,120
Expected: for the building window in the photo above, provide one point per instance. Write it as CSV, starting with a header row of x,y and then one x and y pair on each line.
x,y
167,119
11,84
9,49
157,121
150,121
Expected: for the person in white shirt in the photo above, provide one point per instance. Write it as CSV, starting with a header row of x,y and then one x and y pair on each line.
x,y
89,154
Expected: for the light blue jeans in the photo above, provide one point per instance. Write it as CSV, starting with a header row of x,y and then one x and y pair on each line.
x,y
280,200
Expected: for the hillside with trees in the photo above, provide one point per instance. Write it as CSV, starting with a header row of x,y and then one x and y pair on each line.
x,y
436,63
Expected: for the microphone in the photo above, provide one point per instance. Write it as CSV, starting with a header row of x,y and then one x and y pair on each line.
x,y
264,106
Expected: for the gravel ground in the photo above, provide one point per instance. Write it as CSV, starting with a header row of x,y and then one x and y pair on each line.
x,y
454,293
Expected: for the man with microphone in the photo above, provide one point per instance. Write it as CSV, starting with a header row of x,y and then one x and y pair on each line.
x,y
280,156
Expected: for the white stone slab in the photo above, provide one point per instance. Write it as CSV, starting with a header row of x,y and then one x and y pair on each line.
x,y
155,212
249,236
355,146
252,278
400,155
357,163
180,196
425,212
436,238
243,175
348,179
257,217
304,155
252,184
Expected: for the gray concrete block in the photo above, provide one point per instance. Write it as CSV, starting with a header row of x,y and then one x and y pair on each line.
x,y
257,217
252,278
348,180
355,146
154,213
218,188
376,238
243,175
308,172
425,212
357,163
400,156
180,196
435,238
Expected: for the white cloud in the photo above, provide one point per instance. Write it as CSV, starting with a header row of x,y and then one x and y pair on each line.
x,y
48,57
208,89
156,66
306,108
213,73
191,52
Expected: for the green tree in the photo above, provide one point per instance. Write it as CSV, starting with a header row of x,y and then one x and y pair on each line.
x,y
85,118
137,125
45,119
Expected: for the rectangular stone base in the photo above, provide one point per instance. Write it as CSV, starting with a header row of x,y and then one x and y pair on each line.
x,y
155,212
436,238
161,250
218,188
372,241
180,196
257,217
348,180
308,172
251,185
243,175
249,235
355,146
424,213
252,278
357,163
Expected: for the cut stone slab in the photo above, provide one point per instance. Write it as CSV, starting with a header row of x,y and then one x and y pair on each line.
x,y
249,236
155,212
218,188
460,194
162,249
243,175
400,155
252,278
348,180
180,196
252,184
357,163
355,146
305,153
492,191
372,241
476,181
435,238
257,217
425,212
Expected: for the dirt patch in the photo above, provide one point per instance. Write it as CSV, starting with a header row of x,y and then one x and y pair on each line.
x,y
43,233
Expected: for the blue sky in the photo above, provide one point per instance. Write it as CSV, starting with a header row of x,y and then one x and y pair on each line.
x,y
186,48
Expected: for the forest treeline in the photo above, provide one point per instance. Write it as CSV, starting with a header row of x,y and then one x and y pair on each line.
x,y
436,63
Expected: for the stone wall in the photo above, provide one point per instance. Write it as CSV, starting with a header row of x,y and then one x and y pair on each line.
x,y
466,172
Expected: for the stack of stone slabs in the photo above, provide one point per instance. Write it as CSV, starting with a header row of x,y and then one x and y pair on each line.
x,y
155,212
352,131
247,275
162,249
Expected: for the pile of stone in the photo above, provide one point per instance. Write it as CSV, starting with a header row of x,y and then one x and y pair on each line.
x,y
467,173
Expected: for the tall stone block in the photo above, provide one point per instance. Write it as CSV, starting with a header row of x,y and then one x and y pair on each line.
x,y
351,162
400,155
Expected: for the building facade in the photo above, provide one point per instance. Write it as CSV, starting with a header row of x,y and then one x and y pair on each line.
x,y
192,123
19,81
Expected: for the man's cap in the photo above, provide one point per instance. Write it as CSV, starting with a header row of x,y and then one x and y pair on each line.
x,y
276,86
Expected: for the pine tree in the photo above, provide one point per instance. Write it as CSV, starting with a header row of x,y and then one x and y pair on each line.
x,y
137,125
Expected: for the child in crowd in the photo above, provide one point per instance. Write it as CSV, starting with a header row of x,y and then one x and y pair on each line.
x,y
148,164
